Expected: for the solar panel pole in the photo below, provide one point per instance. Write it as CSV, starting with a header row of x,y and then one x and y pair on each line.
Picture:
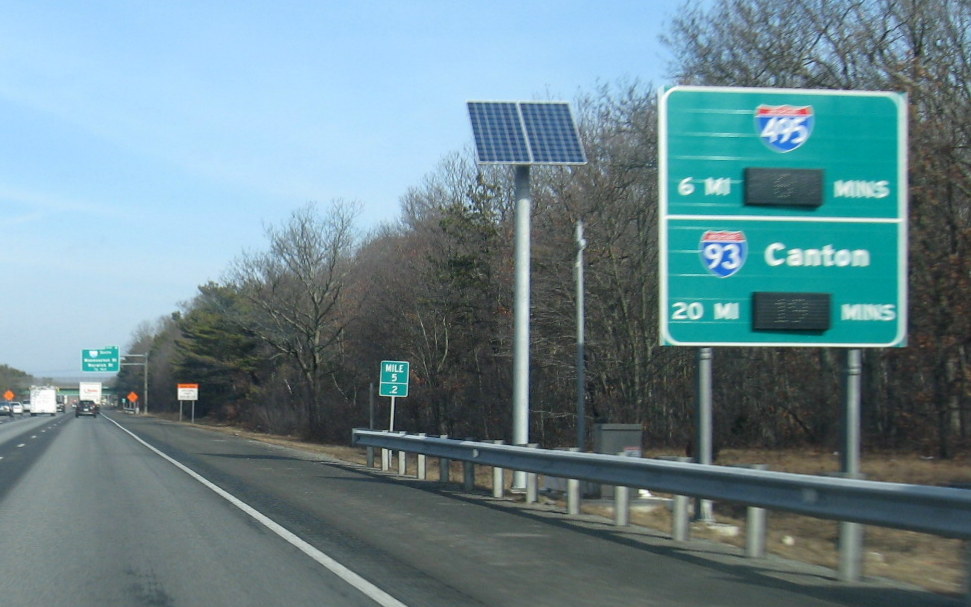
x,y
581,355
520,383
520,134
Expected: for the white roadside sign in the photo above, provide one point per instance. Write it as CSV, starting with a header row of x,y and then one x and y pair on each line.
x,y
188,392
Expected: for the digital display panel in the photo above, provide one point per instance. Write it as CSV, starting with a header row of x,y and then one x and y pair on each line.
x,y
784,187
790,311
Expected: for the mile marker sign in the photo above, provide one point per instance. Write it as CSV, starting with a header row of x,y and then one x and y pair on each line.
x,y
394,378
783,217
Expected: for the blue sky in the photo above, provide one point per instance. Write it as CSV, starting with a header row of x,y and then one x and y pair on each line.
x,y
144,145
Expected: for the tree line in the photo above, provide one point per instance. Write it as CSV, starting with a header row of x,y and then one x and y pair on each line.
x,y
291,339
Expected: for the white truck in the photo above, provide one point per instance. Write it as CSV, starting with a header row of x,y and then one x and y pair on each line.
x,y
43,399
90,390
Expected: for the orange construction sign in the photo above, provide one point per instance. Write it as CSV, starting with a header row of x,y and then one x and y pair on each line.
x,y
132,397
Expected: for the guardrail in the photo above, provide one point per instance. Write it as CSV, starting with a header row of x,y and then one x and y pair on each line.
x,y
935,510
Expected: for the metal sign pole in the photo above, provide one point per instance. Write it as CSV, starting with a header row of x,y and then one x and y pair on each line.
x,y
702,446
850,566
850,453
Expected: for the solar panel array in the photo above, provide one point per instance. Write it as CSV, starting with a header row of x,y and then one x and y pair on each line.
x,y
525,132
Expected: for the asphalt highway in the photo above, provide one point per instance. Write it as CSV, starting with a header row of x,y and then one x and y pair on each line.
x,y
124,510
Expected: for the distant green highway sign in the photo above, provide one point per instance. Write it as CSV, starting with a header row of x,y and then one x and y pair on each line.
x,y
100,360
783,217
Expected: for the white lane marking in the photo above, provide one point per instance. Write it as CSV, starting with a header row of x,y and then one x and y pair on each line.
x,y
367,588
21,445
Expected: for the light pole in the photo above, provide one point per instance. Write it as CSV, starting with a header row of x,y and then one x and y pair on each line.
x,y
581,362
144,365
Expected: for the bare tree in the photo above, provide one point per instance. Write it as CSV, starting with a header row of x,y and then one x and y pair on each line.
x,y
295,289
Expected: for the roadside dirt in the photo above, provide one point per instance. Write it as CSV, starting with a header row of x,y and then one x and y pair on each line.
x,y
931,562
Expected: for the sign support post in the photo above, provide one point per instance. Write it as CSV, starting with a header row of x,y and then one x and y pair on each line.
x,y
703,428
850,566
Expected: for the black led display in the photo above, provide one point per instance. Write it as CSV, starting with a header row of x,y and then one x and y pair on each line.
x,y
784,187
790,311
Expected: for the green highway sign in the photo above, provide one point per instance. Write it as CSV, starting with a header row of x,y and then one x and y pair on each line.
x,y
394,378
783,217
100,360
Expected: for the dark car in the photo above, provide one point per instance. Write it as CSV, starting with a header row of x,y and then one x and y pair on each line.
x,y
86,407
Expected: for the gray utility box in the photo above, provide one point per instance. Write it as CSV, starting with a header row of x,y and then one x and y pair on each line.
x,y
617,438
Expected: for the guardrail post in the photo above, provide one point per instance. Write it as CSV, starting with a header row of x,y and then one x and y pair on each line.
x,y
468,476
851,552
573,492
531,483
680,506
621,506
622,501
574,502
755,526
402,458
385,458
370,457
422,471
468,473
498,478
443,466
680,529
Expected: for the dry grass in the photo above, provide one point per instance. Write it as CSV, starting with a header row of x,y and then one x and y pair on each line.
x,y
928,561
